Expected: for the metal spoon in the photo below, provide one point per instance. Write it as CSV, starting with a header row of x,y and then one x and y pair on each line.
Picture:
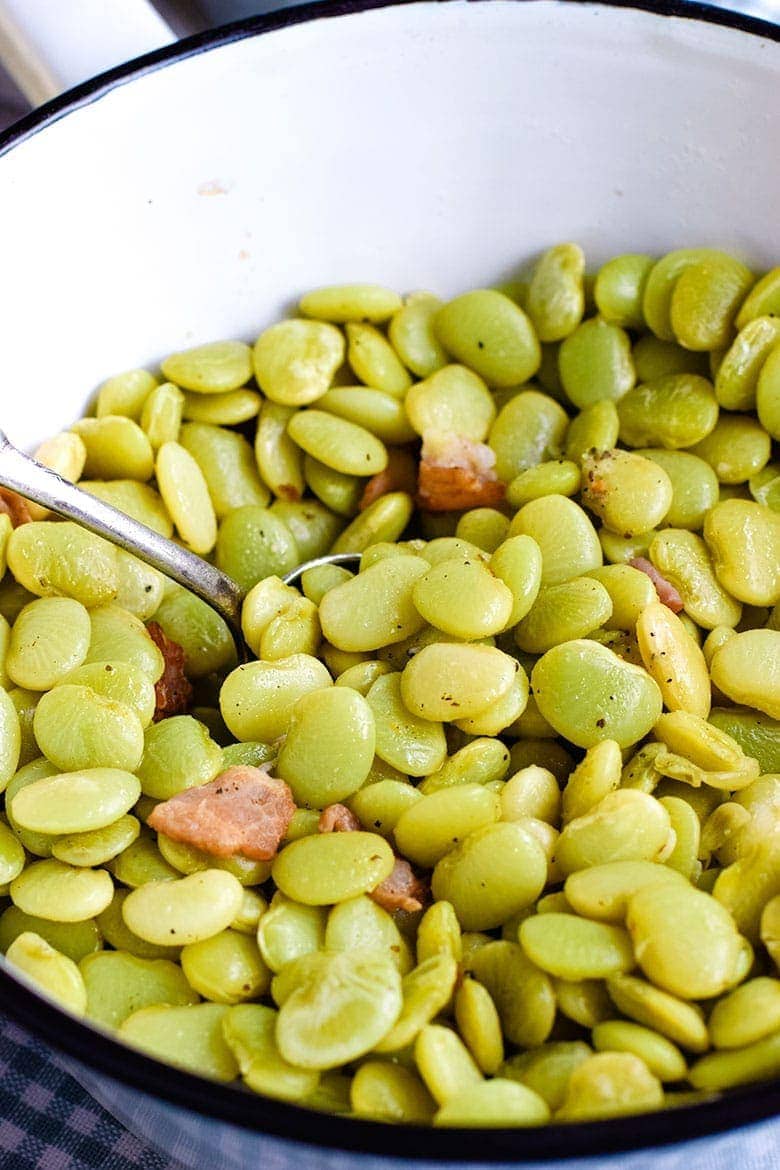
x,y
22,474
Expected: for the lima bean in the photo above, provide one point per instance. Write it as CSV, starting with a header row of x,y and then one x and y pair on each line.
x,y
491,334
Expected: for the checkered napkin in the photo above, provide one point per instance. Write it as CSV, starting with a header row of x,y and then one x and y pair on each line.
x,y
48,1122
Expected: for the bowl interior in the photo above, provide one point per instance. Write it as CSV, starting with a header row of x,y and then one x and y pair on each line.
x,y
423,145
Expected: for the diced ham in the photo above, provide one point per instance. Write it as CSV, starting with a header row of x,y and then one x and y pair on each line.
x,y
173,690
401,890
244,811
15,506
337,818
667,594
400,475
456,473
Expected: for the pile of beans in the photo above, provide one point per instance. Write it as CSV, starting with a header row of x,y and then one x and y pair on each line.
x,y
489,833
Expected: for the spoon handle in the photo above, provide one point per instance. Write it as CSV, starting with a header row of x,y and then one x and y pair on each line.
x,y
22,474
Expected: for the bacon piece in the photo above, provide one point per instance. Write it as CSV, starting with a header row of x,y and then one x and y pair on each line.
x,y
173,690
400,475
401,889
337,818
244,811
667,594
15,506
456,473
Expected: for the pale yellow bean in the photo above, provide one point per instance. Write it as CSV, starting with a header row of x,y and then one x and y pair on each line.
x,y
436,823
610,1084
747,1014
453,400
338,443
587,693
494,873
256,699
626,825
531,792
547,1069
412,743
444,1063
674,660
463,598
62,893
427,990
66,454
448,681
556,297
213,368
374,361
325,869
565,536
189,1037
124,393
496,1102
337,1006
388,1092
186,910
350,302
186,496
491,334
573,948
685,941
684,560
294,361
680,1021
597,774
740,1066
76,802
52,972
411,333
11,738
602,891
376,608
744,541
747,669
116,448
523,994
279,459
226,968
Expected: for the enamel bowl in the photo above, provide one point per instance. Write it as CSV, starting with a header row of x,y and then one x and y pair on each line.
x,y
194,193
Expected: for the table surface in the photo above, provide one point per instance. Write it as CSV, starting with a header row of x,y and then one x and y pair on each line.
x,y
47,1121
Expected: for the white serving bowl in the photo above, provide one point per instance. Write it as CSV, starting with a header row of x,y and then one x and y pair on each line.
x,y
195,193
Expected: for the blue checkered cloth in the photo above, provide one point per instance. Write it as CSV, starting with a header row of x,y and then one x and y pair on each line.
x,y
48,1122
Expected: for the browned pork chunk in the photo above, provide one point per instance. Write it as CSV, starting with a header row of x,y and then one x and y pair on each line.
x,y
457,473
337,818
173,690
14,506
400,475
401,890
244,811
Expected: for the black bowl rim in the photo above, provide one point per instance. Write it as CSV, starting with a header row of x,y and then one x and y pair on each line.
x,y
277,1119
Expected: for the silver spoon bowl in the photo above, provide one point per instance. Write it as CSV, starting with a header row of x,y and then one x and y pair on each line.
x,y
42,486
